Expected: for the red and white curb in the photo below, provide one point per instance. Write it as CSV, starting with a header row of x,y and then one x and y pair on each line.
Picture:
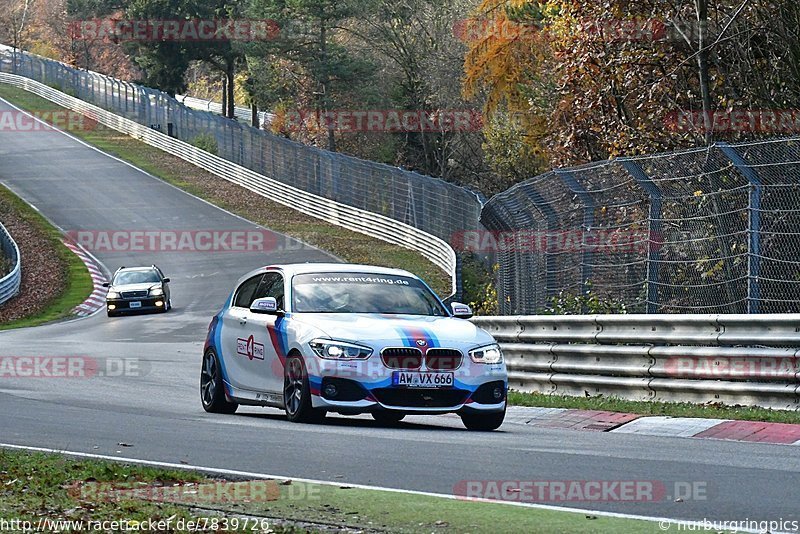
x,y
97,300
724,429
591,420
676,427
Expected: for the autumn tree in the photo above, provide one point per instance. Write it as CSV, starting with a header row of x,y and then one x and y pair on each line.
x,y
505,68
310,37
419,53
14,24
609,79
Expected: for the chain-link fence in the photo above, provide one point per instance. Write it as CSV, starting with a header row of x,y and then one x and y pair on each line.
x,y
704,230
711,230
430,204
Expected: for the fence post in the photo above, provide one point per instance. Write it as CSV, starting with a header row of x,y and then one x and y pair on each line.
x,y
753,225
552,225
589,206
654,230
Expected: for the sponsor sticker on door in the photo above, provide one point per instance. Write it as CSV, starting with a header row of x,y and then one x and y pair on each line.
x,y
248,347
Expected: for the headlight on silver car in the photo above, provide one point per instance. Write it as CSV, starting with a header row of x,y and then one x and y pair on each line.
x,y
112,295
339,350
487,354
157,292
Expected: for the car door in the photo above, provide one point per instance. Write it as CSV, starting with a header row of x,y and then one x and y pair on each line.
x,y
243,341
165,285
269,329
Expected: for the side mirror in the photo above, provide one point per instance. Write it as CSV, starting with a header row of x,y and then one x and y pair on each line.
x,y
165,280
461,311
265,305
106,284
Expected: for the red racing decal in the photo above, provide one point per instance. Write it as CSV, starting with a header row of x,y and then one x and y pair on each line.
x,y
418,337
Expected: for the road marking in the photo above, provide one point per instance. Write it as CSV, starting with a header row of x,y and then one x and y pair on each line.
x,y
683,427
252,475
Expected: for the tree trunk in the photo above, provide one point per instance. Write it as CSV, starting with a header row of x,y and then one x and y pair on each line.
x,y
230,72
224,96
702,65
324,80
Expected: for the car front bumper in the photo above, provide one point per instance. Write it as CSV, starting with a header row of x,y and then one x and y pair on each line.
x,y
362,387
146,304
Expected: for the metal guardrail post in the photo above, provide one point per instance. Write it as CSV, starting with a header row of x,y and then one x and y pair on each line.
x,y
654,231
588,222
753,225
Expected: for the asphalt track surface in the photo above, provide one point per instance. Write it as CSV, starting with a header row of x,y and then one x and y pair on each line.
x,y
156,408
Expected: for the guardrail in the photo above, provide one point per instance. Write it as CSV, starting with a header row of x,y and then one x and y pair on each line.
x,y
438,251
243,115
9,284
751,360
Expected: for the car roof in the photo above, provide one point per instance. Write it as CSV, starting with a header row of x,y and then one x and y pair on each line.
x,y
150,268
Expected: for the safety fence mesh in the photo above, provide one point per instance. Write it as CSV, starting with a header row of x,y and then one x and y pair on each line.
x,y
710,230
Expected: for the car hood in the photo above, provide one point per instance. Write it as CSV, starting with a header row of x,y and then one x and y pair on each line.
x,y
397,330
135,287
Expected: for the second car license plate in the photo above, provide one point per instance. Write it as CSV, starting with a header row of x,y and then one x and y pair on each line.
x,y
422,380
136,304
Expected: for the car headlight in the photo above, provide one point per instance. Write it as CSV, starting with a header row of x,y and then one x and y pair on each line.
x,y
112,295
339,350
487,354
157,292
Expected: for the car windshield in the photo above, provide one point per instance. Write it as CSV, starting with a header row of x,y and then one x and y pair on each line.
x,y
363,293
136,277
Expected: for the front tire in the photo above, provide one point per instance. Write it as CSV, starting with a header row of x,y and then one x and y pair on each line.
x,y
297,393
212,389
483,422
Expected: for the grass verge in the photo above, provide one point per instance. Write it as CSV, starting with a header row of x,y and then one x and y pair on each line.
x,y
349,246
72,283
38,486
671,409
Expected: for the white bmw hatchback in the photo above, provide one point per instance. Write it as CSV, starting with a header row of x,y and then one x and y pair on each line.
x,y
315,338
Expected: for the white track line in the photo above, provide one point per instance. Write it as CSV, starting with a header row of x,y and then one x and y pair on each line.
x,y
252,475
